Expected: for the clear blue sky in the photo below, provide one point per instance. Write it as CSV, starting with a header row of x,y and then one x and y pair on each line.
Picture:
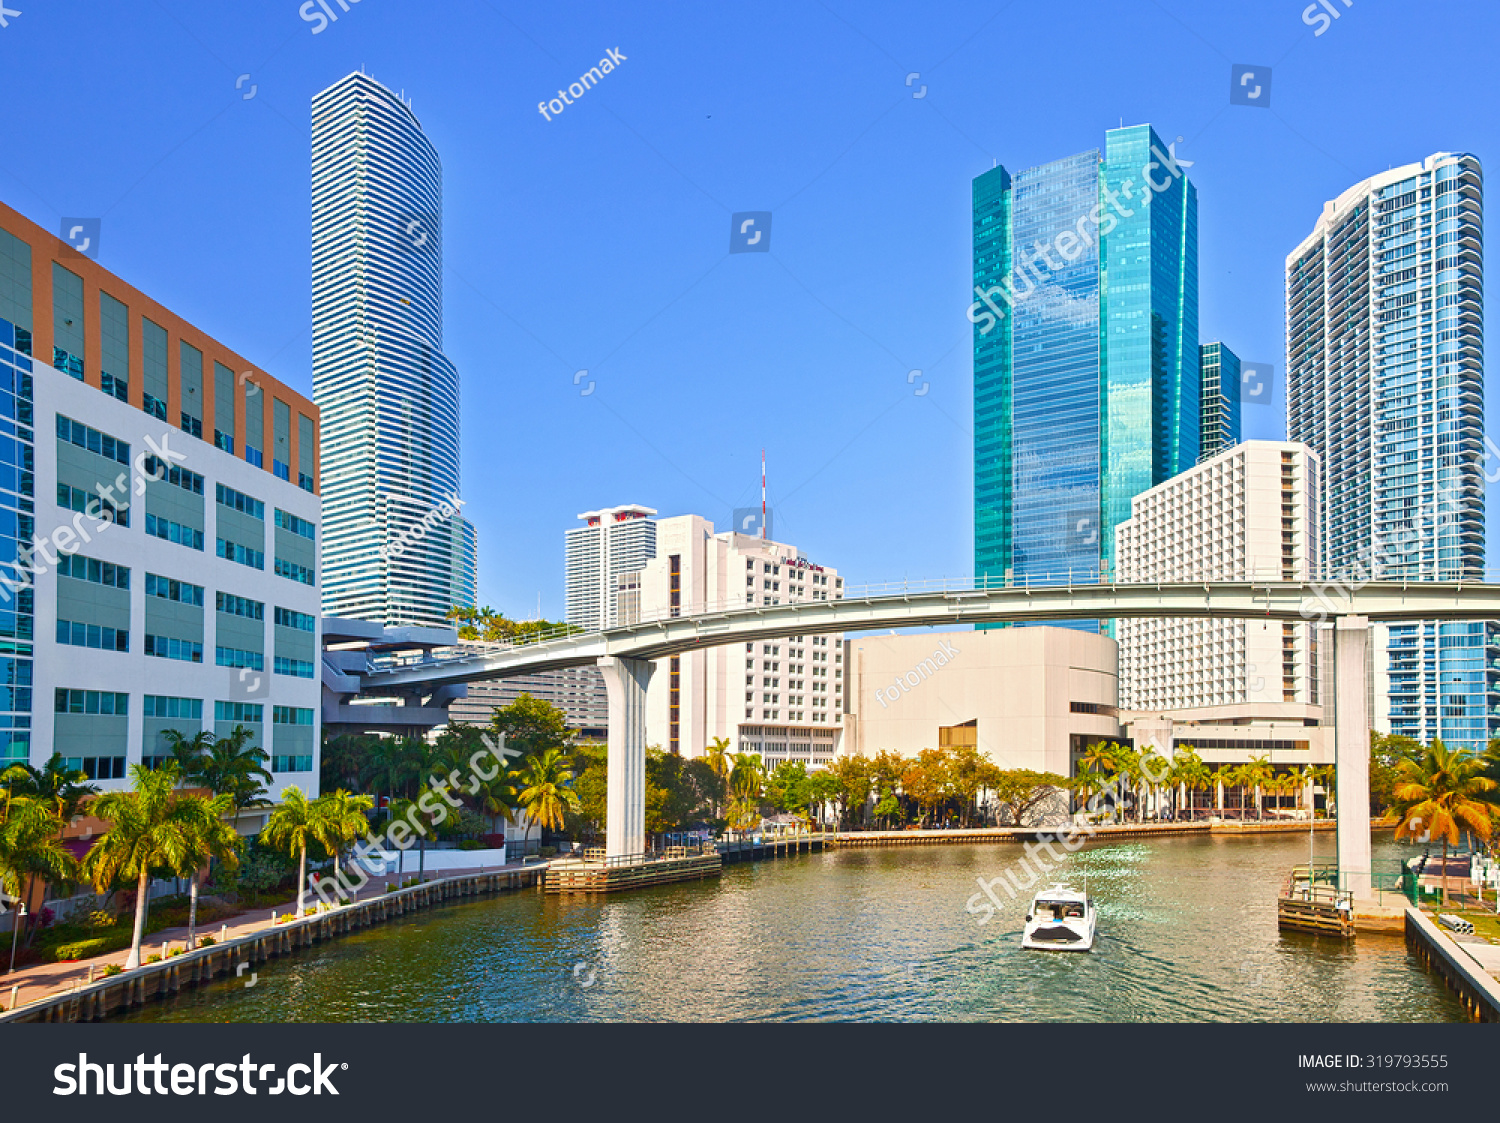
x,y
598,240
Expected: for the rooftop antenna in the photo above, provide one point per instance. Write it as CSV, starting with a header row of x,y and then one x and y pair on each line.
x,y
762,495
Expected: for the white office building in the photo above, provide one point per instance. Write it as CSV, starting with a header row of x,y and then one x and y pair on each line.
x,y
603,559
395,550
782,698
160,568
1248,513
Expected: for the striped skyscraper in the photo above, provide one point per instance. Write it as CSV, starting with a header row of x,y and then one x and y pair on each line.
x,y
395,549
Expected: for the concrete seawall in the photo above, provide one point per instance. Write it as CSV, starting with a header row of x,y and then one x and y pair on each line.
x,y
1476,989
109,996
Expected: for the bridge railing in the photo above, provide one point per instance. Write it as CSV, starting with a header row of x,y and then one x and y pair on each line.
x,y
754,598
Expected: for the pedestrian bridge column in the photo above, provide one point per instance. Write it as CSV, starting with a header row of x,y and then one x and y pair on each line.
x,y
625,680
1351,754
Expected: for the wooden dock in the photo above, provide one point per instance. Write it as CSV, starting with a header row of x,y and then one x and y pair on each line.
x,y
595,873
1311,901
106,997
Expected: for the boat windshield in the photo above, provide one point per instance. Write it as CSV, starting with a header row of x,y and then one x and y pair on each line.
x,y
1059,910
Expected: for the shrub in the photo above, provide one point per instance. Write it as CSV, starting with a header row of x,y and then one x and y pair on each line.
x,y
99,918
309,912
548,851
153,959
472,844
86,949
175,951
206,941
112,969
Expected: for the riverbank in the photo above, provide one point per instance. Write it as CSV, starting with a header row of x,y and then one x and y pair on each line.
x,y
79,990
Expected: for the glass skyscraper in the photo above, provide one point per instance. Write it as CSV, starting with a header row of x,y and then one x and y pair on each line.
x,y
395,550
1219,399
1086,368
1385,380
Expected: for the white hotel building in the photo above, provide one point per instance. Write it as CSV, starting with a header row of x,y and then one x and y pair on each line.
x,y
601,559
782,698
1248,513
159,494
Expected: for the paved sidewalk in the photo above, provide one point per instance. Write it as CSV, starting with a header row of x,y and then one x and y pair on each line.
x,y
43,979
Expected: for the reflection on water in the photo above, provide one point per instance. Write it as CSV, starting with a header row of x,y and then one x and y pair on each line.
x,y
1187,932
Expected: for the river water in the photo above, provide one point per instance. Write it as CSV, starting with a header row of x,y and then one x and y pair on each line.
x,y
1187,932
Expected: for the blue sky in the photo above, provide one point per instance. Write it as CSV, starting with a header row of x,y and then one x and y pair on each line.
x,y
598,241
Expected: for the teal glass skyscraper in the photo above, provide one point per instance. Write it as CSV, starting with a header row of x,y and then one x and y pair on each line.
x,y
1086,366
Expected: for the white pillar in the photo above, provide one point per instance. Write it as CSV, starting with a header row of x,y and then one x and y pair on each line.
x,y
625,681
1351,754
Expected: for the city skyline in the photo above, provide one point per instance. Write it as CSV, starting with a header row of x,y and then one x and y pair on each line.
x,y
1277,164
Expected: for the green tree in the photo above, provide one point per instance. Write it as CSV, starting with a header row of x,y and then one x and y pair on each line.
x,y
1020,791
787,788
1387,751
345,761
850,777
149,829
532,726
294,824
1442,793
488,626
591,786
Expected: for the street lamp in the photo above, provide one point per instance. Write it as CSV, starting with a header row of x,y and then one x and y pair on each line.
x,y
15,931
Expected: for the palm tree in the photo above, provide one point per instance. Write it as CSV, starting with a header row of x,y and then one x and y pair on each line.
x,y
146,833
1444,791
206,837
1257,773
63,789
188,751
339,820
546,780
719,759
746,782
291,826
1189,773
232,766
1232,776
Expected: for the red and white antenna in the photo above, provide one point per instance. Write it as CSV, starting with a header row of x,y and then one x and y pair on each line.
x,y
762,495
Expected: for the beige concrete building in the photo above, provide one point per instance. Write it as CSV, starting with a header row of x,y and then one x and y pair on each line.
x,y
1027,697
783,697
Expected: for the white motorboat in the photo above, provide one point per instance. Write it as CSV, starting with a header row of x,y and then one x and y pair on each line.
x,y
1061,918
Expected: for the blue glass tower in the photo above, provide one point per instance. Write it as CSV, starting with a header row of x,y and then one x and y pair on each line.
x,y
1086,370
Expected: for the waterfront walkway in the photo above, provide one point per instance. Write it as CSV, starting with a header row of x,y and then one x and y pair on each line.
x,y
43,980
